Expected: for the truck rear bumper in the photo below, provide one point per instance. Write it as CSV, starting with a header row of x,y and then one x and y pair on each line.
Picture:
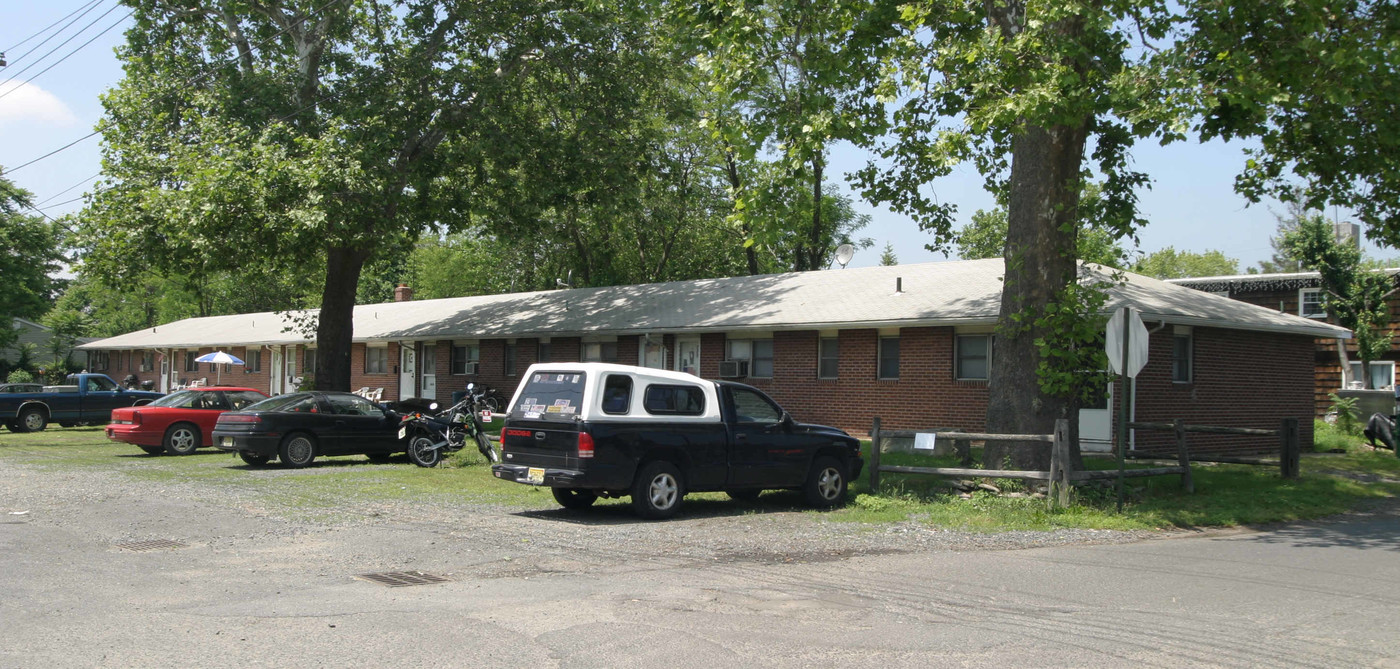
x,y
542,476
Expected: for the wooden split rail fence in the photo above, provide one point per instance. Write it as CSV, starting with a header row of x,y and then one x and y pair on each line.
x,y
1061,476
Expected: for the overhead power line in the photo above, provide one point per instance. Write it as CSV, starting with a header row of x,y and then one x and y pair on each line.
x,y
65,42
89,7
65,57
191,82
86,180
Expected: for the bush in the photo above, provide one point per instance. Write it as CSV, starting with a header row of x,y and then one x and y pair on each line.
x,y
19,376
1348,415
1327,437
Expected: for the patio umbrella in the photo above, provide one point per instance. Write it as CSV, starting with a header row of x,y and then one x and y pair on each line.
x,y
219,358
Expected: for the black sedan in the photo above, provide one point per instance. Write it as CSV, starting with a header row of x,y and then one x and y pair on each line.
x,y
297,427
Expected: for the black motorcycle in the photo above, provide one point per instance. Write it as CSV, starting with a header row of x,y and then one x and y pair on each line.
x,y
431,437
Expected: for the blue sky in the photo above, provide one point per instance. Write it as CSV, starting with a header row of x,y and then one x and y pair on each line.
x,y
1191,205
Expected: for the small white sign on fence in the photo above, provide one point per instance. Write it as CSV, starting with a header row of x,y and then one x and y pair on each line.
x,y
924,441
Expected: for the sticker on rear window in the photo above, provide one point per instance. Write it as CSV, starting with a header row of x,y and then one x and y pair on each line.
x,y
575,380
562,403
554,409
532,415
568,410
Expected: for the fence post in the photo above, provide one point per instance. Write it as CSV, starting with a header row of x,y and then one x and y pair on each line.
x,y
1060,464
963,448
875,457
1289,449
1182,456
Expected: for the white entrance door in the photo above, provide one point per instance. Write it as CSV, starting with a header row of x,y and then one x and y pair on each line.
x,y
688,355
429,370
274,375
164,374
1096,423
289,357
652,353
407,370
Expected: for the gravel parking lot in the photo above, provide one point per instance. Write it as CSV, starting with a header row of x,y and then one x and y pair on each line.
x,y
254,581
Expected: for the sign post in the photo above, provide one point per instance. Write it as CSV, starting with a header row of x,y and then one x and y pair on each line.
x,y
1125,341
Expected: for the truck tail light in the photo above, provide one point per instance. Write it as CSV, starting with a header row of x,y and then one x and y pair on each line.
x,y
585,445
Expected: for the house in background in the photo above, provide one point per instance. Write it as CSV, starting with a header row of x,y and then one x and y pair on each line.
x,y
1300,294
38,335
912,344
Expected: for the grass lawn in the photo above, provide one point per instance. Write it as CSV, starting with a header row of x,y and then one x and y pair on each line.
x,y
1225,494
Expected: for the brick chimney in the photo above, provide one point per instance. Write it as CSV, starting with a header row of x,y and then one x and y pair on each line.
x,y
403,293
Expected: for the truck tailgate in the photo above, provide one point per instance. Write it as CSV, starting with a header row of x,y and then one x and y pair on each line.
x,y
540,444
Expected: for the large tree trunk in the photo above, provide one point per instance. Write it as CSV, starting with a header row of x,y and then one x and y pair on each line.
x,y
1040,261
335,328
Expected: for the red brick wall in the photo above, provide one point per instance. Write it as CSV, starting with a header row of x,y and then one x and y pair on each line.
x,y
1240,379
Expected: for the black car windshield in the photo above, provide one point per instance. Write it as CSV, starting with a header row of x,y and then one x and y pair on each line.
x,y
284,403
551,395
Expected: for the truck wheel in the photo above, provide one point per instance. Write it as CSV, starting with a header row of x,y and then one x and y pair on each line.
x,y
573,498
826,483
421,451
657,490
181,439
32,420
253,459
297,450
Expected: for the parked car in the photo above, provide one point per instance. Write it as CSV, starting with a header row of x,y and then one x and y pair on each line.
x,y
180,422
84,399
21,388
298,427
590,430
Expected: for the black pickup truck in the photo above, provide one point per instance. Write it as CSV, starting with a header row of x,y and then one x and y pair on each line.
x,y
590,430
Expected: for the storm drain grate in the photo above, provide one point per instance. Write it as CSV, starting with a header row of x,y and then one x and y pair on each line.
x,y
401,579
149,545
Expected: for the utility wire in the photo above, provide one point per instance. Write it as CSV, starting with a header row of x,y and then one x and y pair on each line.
x,y
65,42
90,6
85,180
189,83
70,53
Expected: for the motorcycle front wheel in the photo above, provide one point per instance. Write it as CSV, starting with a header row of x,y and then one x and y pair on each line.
x,y
484,445
421,451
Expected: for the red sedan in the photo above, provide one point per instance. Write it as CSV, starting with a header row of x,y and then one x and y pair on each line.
x,y
179,422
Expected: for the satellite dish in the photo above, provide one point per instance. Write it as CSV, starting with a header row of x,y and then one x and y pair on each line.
x,y
844,253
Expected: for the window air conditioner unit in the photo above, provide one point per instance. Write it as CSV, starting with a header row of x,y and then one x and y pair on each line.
x,y
733,369
471,368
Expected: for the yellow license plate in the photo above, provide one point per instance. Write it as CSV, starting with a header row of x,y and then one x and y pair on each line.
x,y
227,441
534,476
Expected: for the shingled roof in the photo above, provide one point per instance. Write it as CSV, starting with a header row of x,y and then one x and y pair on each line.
x,y
964,292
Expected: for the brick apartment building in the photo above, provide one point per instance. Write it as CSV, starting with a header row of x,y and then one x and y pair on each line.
x,y
1300,293
909,343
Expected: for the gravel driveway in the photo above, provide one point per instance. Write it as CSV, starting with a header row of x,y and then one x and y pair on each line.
x,y
254,584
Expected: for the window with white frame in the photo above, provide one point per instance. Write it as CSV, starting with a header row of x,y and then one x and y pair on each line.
x,y
252,362
973,357
1310,303
1382,374
889,358
757,352
1182,356
97,360
191,365
376,359
828,357
148,361
465,356
509,356
600,351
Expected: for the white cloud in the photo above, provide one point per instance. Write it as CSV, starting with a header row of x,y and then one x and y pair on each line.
x,y
28,102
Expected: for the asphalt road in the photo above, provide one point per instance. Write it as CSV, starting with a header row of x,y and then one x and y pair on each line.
x,y
528,590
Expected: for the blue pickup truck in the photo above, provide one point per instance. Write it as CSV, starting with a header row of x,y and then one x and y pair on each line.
x,y
83,399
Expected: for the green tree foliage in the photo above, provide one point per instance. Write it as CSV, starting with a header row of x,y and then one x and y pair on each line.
x,y
887,256
985,235
1037,96
32,254
333,135
1169,263
1354,297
